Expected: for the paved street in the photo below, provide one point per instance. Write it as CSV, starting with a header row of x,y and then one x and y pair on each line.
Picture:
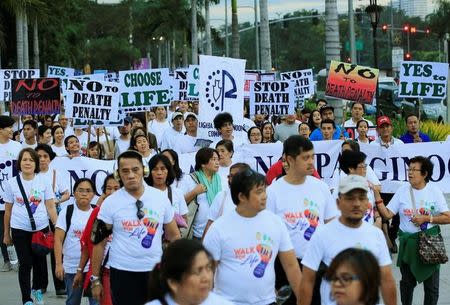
x,y
10,295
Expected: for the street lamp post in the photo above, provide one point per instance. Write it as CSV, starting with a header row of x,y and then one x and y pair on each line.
x,y
374,10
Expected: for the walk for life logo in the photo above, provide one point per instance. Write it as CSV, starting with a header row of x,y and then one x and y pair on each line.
x,y
221,90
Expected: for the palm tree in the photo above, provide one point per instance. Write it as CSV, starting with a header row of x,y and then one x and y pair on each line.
x,y
266,53
35,44
194,43
234,30
332,49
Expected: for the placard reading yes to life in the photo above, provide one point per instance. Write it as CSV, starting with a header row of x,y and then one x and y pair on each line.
x,y
423,79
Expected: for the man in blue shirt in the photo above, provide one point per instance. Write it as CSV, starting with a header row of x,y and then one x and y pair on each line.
x,y
414,135
327,112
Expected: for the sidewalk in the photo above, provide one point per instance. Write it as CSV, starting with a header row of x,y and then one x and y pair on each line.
x,y
10,294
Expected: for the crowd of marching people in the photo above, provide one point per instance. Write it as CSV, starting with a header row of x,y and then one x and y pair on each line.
x,y
222,234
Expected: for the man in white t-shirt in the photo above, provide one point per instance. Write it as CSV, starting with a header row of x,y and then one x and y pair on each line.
x,y
159,124
347,231
136,215
9,151
172,136
187,142
29,133
123,141
300,200
245,242
357,111
385,129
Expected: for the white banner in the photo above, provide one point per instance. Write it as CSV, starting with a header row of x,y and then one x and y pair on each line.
x,y
92,100
193,81
143,89
271,98
7,171
304,83
423,79
7,75
61,72
221,90
250,78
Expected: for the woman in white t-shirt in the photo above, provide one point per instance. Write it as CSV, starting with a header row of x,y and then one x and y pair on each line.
x,y
141,144
421,207
226,150
45,135
72,145
58,141
67,239
184,276
172,155
161,177
39,198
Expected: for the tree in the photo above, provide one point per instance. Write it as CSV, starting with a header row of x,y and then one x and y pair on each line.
x,y
332,44
234,30
266,52
194,38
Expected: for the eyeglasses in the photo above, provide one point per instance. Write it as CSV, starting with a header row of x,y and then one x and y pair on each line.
x,y
139,205
344,280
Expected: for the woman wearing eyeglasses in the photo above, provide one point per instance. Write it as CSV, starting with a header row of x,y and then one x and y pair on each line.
x,y
422,207
354,275
69,227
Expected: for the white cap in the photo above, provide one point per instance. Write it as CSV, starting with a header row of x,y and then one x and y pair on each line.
x,y
351,182
175,114
186,114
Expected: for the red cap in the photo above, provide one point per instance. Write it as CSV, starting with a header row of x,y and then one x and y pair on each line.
x,y
383,120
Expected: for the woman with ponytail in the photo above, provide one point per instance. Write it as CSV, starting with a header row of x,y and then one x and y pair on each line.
x,y
184,276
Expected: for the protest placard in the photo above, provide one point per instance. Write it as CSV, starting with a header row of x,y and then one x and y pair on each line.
x,y
181,86
92,100
7,75
271,98
35,96
250,78
61,72
303,84
221,90
423,79
351,82
269,76
143,89
193,81
112,77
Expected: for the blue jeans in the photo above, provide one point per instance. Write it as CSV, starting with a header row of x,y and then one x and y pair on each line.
x,y
74,295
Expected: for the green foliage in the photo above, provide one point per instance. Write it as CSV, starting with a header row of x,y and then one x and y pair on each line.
x,y
112,53
437,132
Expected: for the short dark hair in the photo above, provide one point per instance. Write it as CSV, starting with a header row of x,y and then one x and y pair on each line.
x,y
304,123
321,100
228,144
426,166
240,165
42,129
129,154
362,121
243,182
92,144
406,118
221,119
305,111
105,182
54,129
176,264
367,269
354,145
66,140
328,121
203,156
81,180
33,155
250,131
166,162
357,103
295,145
351,159
47,149
32,123
176,166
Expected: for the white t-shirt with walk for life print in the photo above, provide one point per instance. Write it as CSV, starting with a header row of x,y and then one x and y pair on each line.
x,y
38,190
334,237
72,246
429,200
136,244
302,208
246,248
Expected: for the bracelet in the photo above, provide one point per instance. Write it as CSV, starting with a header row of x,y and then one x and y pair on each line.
x,y
79,269
378,202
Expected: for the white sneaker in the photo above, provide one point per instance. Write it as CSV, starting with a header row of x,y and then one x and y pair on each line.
x,y
37,297
28,303
6,267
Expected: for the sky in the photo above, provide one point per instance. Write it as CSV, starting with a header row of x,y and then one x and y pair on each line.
x,y
276,8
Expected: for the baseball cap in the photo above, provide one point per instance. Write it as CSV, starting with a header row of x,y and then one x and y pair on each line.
x,y
351,182
383,120
175,114
6,121
188,114
127,120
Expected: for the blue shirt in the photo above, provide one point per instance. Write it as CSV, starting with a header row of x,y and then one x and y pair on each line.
x,y
408,138
316,135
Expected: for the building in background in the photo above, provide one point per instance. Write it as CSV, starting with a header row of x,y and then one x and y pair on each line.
x,y
415,8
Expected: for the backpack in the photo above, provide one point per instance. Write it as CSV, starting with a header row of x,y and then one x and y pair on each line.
x,y
69,214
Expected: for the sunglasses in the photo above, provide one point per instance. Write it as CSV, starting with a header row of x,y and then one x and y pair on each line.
x,y
139,205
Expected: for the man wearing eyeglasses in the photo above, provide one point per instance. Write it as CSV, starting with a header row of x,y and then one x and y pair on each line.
x,y
136,215
347,231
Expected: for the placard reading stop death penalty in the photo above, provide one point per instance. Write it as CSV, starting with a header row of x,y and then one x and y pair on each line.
x,y
303,84
351,82
92,100
7,75
143,89
270,98
35,96
181,86
423,79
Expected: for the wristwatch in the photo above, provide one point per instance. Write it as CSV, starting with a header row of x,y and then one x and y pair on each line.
x,y
94,278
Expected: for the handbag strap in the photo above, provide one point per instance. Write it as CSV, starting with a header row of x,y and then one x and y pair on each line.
x,y
413,200
223,203
27,203
169,194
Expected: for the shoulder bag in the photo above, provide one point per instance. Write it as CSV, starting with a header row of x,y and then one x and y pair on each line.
x,y
431,247
188,232
41,241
